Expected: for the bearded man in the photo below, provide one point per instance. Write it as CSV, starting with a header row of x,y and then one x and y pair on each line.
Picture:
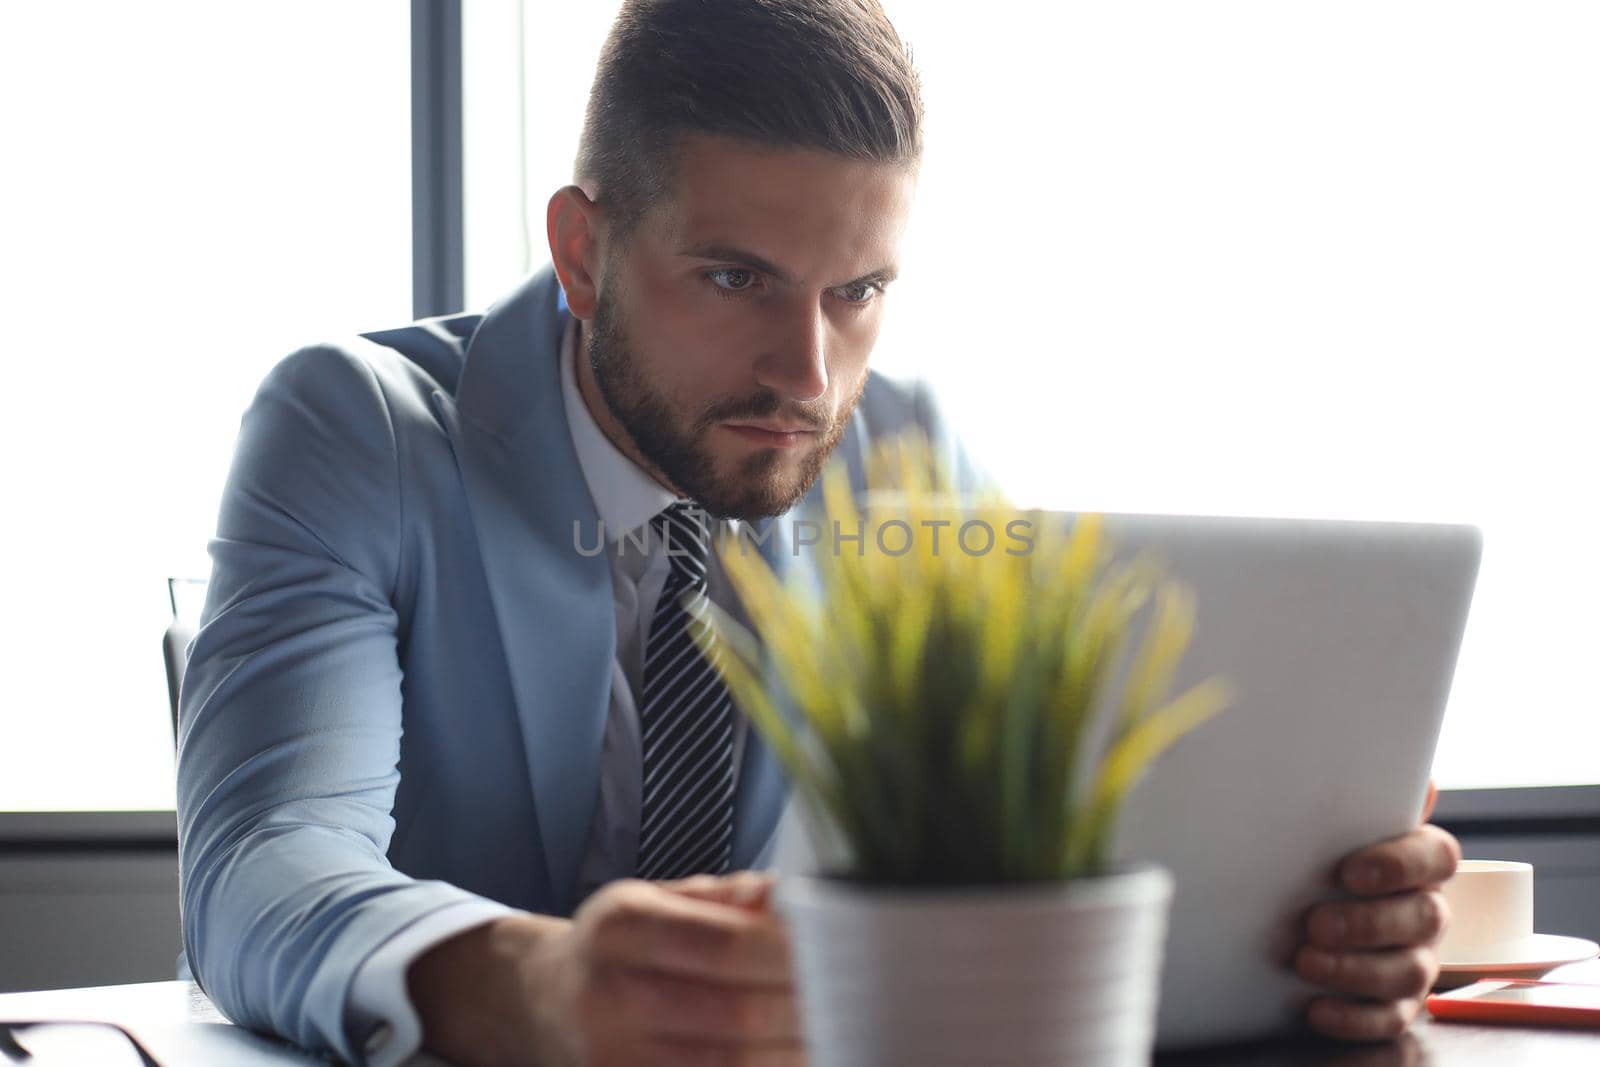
x,y
449,772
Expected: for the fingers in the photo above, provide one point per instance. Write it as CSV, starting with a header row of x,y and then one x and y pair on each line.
x,y
686,1009
642,925
1399,974
1403,920
745,889
1432,799
1425,856
667,1053
1362,1021
1378,952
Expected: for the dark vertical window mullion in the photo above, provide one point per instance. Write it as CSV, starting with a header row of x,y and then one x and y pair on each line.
x,y
437,220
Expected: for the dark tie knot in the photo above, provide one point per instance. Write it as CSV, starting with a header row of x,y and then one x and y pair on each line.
x,y
685,533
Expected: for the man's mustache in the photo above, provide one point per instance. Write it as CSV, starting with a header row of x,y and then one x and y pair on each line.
x,y
764,405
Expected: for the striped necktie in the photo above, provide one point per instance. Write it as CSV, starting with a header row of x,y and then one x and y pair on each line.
x,y
686,718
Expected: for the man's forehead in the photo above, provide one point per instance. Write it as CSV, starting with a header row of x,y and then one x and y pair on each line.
x,y
721,183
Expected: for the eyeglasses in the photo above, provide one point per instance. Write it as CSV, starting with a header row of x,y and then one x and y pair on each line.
x,y
46,1043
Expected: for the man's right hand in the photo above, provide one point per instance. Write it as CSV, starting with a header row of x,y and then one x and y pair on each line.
x,y
694,972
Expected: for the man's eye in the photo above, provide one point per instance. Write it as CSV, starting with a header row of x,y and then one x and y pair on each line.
x,y
738,274
859,293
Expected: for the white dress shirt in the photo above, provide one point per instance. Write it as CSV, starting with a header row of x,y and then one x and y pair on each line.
x,y
625,498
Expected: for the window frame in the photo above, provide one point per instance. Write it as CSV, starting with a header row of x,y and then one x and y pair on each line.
x,y
438,287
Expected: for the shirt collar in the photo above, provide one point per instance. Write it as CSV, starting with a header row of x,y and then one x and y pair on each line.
x,y
624,495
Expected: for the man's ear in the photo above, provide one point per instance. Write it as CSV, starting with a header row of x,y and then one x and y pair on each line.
x,y
572,224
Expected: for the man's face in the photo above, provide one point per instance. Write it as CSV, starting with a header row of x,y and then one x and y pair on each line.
x,y
730,338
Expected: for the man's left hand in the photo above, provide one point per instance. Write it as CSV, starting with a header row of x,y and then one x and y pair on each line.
x,y
1377,952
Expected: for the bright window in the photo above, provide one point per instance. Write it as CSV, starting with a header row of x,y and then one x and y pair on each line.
x,y
1255,258
1246,258
191,191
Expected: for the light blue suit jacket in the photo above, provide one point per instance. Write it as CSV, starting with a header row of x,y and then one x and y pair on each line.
x,y
396,696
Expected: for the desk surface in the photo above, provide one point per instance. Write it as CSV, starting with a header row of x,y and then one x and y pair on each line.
x,y
179,1026
175,1022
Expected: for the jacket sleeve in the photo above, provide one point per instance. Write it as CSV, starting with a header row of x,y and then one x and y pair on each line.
x,y
970,476
380,1006
290,712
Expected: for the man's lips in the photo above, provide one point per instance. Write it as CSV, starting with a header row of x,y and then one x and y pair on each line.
x,y
775,435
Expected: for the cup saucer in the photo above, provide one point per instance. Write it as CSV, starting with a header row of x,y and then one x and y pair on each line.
x,y
1532,955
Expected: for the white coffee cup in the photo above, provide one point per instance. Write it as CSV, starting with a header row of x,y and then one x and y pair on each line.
x,y
1491,911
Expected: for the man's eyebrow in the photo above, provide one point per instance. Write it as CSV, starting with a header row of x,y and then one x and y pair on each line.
x,y
707,250
881,276
712,250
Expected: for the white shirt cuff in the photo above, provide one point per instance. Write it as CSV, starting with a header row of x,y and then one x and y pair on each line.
x,y
379,1013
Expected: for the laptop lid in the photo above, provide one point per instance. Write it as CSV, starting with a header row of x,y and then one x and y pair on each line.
x,y
1340,641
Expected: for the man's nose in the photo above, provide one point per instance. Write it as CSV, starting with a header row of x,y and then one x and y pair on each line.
x,y
795,365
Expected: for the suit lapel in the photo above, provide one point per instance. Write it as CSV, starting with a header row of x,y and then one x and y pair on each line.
x,y
508,426
554,604
763,785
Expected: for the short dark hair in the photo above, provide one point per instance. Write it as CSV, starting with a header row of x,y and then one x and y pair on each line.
x,y
826,74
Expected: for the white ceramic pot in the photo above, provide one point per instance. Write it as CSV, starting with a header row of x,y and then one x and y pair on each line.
x,y
1021,976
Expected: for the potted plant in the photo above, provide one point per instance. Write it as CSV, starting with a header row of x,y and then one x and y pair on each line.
x,y
940,695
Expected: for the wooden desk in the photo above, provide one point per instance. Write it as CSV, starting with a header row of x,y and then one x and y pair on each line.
x,y
179,1026
1429,1043
1436,1044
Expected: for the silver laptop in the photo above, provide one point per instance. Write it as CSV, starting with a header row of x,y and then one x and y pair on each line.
x,y
1340,639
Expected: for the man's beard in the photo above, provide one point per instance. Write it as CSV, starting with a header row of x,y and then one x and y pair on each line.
x,y
753,489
